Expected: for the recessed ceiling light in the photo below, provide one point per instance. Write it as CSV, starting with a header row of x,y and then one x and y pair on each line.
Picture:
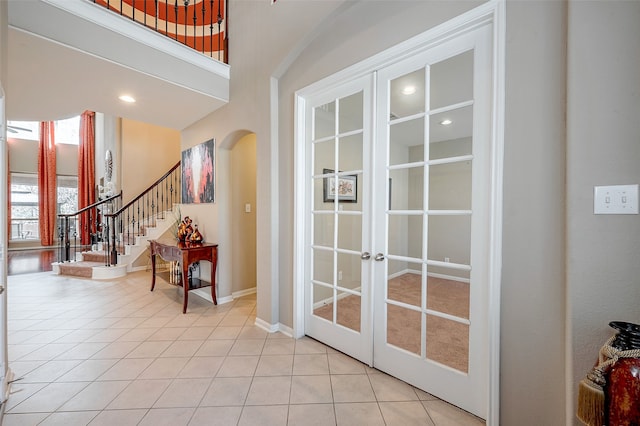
x,y
446,122
127,98
409,90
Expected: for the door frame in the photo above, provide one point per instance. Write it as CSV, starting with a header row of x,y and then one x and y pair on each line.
x,y
491,13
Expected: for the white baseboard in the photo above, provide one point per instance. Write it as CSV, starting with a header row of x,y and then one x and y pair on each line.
x,y
274,328
429,274
205,293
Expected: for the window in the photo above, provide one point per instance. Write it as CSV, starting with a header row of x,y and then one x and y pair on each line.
x,y
29,130
24,206
67,131
24,203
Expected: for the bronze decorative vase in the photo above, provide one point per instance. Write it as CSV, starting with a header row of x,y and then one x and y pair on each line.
x,y
622,393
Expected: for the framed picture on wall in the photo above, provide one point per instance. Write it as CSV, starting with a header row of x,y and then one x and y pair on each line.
x,y
198,173
346,188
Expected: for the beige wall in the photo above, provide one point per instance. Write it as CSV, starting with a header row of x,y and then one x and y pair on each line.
x,y
148,152
603,148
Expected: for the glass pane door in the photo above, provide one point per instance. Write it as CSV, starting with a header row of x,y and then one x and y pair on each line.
x,y
431,158
339,278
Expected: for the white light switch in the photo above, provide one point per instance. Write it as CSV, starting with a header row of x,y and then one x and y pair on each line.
x,y
616,199
247,208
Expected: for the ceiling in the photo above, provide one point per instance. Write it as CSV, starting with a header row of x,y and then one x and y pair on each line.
x,y
55,72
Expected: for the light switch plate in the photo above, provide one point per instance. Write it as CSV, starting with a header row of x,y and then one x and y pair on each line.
x,y
615,199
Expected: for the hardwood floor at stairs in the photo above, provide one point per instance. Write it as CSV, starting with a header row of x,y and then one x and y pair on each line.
x,y
30,261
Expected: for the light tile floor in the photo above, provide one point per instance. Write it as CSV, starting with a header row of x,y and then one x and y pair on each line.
x,y
113,353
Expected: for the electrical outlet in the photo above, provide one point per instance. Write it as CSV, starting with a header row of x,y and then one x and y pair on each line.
x,y
446,259
247,208
339,275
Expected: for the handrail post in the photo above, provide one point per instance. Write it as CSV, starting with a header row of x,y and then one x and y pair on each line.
x,y
114,249
67,242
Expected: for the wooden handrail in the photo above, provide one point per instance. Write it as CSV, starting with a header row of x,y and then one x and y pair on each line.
x,y
153,185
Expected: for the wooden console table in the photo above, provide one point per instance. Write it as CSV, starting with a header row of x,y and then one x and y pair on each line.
x,y
186,253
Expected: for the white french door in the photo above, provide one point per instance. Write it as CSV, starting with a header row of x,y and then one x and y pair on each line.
x,y
431,270
396,217
338,273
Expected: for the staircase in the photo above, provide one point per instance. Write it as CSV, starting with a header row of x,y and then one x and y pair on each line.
x,y
94,264
119,235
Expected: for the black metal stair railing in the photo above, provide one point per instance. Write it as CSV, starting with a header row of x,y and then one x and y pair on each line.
x,y
199,24
91,218
131,220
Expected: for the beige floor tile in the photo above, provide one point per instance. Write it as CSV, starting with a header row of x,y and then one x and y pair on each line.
x,y
96,396
208,321
76,336
279,347
275,365
109,335
389,388
50,371
168,333
182,348
128,322
215,348
82,350
266,415
304,365
311,415
126,369
137,335
201,367
48,352
196,333
405,413
216,416
252,332
225,332
343,364
239,366
224,391
183,393
358,414
139,394
247,347
16,352
20,368
234,320
21,391
444,414
352,388
306,345
269,390
311,389
167,417
49,398
118,349
69,418
149,349
118,417
23,419
88,371
164,368
48,336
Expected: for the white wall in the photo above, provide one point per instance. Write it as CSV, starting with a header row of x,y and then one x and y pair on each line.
x,y
603,148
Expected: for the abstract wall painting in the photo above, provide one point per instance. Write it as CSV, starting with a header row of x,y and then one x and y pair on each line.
x,y
198,173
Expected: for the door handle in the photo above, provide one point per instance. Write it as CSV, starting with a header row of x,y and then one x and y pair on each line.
x,y
379,257
365,256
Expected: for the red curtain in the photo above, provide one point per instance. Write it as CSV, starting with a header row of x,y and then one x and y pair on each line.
x,y
47,192
86,172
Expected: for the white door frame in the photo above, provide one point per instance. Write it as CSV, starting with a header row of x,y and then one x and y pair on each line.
x,y
5,372
492,12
